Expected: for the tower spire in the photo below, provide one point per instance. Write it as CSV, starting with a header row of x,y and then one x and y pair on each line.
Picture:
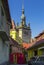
x,y
23,23
22,9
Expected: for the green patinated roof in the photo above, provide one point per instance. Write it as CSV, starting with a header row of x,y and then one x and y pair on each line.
x,y
23,27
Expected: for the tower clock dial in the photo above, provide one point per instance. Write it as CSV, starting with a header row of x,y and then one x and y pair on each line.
x,y
25,32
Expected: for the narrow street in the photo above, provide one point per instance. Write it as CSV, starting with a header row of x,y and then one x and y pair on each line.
x,y
21,32
19,64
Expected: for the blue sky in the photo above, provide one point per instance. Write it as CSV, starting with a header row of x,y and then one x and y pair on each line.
x,y
34,12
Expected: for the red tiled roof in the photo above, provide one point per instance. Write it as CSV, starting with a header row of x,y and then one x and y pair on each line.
x,y
27,45
37,43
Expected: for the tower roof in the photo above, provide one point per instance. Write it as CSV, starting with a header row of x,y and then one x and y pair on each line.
x,y
23,9
13,24
23,16
23,22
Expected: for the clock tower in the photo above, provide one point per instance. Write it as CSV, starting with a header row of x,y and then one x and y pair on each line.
x,y
24,30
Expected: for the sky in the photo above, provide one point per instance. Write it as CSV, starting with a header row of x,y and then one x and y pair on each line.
x,y
34,12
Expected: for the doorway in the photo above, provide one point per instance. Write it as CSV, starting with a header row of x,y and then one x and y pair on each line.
x,y
35,53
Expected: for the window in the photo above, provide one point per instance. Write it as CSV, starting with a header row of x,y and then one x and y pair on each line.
x,y
10,50
35,53
2,13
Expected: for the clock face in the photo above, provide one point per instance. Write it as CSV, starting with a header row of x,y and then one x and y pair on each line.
x,y
26,32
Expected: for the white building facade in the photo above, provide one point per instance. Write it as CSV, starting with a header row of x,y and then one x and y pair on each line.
x,y
5,22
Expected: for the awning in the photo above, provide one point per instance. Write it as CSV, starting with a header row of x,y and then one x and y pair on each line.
x,y
4,36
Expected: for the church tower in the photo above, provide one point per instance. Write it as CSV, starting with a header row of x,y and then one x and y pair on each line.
x,y
24,30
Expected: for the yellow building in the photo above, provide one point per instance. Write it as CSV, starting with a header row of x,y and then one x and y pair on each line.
x,y
13,34
14,31
37,49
